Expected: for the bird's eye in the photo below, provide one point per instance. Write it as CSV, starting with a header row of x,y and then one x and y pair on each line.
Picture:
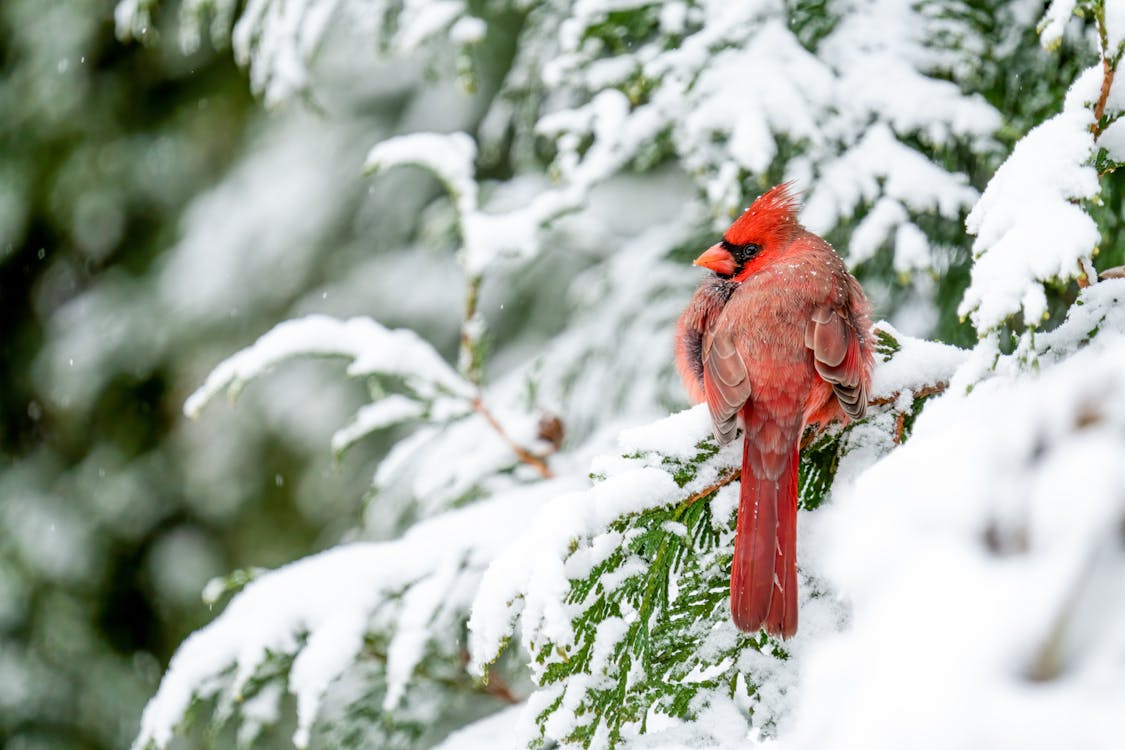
x,y
741,253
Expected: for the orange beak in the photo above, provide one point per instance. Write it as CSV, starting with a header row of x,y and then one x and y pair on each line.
x,y
718,259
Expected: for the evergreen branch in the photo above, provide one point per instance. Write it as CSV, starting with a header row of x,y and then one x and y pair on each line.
x,y
811,436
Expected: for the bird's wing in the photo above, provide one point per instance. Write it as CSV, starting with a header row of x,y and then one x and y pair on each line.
x,y
835,345
725,381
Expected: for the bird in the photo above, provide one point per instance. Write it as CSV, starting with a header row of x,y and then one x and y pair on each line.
x,y
776,339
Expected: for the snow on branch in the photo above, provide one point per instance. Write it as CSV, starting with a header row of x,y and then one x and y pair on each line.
x,y
730,91
1029,229
314,617
1054,22
1030,225
994,591
486,236
909,183
449,156
589,584
278,40
386,412
620,591
460,446
373,349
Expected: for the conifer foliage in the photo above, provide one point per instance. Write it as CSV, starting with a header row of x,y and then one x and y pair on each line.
x,y
523,553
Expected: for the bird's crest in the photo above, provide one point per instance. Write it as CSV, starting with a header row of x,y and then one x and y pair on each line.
x,y
770,217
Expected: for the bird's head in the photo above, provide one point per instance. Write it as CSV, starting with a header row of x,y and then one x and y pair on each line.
x,y
758,234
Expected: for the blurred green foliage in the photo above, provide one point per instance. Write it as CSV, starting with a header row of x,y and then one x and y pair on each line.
x,y
101,147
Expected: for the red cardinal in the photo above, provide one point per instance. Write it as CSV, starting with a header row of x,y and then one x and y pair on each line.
x,y
776,340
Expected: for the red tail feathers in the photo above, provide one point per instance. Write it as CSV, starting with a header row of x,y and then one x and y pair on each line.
x,y
763,580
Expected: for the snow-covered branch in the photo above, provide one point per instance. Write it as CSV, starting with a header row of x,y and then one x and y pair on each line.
x,y
372,349
306,624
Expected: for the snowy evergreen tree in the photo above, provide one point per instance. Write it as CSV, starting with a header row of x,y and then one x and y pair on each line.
x,y
540,532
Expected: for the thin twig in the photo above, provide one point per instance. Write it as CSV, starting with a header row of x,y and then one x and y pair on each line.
x,y
810,436
529,458
1083,278
1108,71
721,482
929,390
471,367
900,427
493,684
497,688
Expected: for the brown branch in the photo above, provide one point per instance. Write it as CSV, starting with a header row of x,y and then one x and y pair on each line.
x,y
811,434
497,688
493,684
471,367
714,487
1082,278
900,427
529,458
1108,71
929,390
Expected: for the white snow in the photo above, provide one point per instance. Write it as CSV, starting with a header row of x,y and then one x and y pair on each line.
x,y
874,229
675,436
372,348
329,599
949,559
781,87
917,364
529,579
991,571
468,30
424,20
375,416
493,732
449,156
279,41
1114,25
486,236
1029,229
880,164
1055,20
